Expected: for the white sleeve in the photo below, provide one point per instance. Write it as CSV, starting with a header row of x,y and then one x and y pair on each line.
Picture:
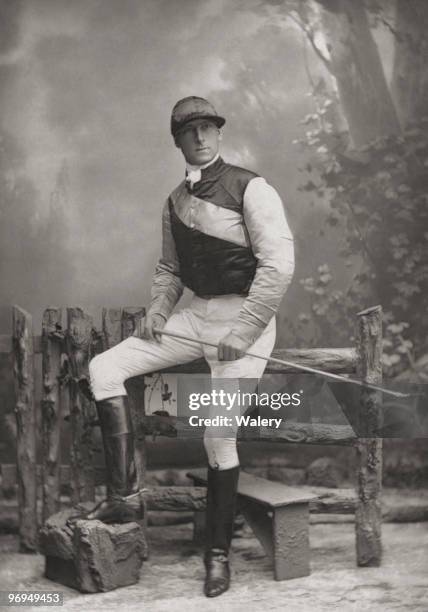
x,y
272,245
167,287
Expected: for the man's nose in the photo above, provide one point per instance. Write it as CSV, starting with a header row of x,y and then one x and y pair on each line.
x,y
199,135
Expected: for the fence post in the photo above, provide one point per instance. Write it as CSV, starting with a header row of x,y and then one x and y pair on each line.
x,y
51,410
79,337
135,388
368,515
111,327
118,324
23,354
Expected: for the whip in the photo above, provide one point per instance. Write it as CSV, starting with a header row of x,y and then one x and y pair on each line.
x,y
298,366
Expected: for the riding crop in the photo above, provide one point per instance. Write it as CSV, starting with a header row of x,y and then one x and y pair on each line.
x,y
297,366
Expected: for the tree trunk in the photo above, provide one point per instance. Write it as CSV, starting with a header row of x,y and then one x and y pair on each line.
x,y
355,63
409,84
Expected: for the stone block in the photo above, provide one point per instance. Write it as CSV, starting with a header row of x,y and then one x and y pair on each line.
x,y
92,556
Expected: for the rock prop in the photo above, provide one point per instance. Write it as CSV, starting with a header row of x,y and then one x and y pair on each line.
x,y
92,556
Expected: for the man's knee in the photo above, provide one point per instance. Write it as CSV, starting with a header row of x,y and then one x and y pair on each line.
x,y
96,367
106,377
222,453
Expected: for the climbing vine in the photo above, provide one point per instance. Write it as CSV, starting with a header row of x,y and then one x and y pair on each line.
x,y
378,201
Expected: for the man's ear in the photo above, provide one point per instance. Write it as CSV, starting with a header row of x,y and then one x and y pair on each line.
x,y
220,135
177,144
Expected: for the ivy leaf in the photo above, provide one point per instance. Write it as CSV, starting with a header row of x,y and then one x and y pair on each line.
x,y
395,328
390,360
325,278
390,194
407,289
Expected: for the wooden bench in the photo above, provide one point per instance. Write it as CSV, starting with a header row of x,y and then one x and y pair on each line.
x,y
279,517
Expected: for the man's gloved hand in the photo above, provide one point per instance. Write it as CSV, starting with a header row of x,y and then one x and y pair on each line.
x,y
232,347
146,325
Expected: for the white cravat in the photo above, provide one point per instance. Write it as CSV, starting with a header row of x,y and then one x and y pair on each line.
x,y
194,174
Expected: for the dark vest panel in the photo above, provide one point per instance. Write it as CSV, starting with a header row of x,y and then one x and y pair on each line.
x,y
210,265
224,185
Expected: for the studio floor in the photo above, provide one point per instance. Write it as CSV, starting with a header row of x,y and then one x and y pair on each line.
x,y
171,580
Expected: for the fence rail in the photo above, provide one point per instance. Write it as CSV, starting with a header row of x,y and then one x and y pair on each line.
x,y
66,352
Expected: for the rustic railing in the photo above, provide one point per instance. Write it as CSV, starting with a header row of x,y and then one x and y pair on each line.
x,y
65,356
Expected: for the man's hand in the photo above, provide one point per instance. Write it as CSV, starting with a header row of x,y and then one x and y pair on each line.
x,y
232,347
145,327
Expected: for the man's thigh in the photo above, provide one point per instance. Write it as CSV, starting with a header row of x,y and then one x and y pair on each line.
x,y
246,367
237,378
135,356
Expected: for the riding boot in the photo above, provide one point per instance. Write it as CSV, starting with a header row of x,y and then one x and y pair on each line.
x,y
122,482
221,503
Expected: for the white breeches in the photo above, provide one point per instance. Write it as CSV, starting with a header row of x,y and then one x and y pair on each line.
x,y
207,319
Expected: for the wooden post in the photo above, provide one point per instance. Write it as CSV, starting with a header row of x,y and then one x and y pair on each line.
x,y
111,335
111,327
79,334
118,324
26,429
135,388
51,424
368,514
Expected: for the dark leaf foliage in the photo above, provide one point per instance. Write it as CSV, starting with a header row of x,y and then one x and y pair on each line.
x,y
379,203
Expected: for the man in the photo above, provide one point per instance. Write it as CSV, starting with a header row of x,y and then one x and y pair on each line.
x,y
225,237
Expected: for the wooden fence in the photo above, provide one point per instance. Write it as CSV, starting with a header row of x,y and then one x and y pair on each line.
x,y
65,356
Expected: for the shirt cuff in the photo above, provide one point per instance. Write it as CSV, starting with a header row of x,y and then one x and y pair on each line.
x,y
247,332
159,308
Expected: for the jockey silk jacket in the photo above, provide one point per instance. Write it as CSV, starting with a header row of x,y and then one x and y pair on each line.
x,y
225,234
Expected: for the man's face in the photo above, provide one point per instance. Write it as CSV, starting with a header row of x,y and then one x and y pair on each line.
x,y
199,141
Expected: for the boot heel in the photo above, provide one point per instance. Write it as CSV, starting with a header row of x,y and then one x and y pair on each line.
x,y
217,580
221,502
